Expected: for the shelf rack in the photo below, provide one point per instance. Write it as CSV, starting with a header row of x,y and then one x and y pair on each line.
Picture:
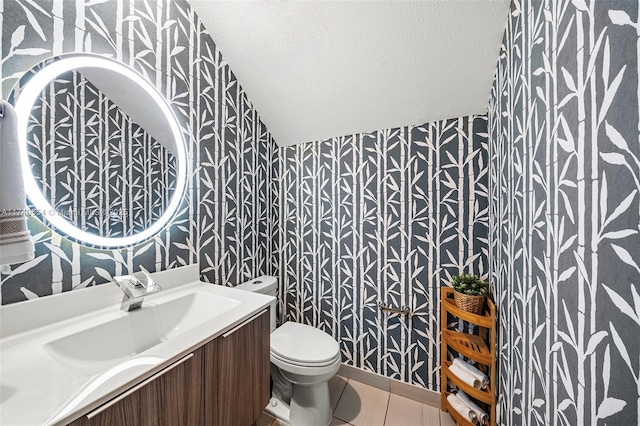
x,y
480,348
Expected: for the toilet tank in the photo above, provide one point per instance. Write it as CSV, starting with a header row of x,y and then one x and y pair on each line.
x,y
264,284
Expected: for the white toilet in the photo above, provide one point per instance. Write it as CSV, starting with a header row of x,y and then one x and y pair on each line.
x,y
303,359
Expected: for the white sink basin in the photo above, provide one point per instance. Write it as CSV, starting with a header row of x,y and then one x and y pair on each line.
x,y
104,345
186,312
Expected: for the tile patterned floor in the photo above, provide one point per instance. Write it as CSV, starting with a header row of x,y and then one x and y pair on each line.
x,y
356,404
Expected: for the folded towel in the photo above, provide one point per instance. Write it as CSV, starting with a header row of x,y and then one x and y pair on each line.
x,y
481,415
16,245
465,376
477,374
462,408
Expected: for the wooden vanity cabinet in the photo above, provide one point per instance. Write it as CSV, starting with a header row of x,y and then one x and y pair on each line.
x,y
237,372
169,397
224,382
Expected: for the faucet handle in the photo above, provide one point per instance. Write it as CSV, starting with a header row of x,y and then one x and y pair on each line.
x,y
137,285
143,278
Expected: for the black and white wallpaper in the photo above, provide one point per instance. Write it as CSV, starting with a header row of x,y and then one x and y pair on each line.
x,y
564,162
546,201
384,216
99,169
227,215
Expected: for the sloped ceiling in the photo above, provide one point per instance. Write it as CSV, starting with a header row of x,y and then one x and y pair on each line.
x,y
321,69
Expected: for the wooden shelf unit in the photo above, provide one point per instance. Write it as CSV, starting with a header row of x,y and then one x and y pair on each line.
x,y
480,348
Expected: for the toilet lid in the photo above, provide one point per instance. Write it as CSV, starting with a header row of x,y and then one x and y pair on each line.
x,y
303,344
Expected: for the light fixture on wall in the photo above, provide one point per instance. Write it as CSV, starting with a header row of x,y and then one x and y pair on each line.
x,y
28,96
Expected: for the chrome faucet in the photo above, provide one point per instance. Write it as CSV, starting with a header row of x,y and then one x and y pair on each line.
x,y
135,287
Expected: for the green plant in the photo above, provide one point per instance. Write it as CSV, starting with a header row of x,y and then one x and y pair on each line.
x,y
472,285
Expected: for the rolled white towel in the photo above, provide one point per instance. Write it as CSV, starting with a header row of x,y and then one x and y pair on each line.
x,y
477,374
465,376
481,415
462,408
16,245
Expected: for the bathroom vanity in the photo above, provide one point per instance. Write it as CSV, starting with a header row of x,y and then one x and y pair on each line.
x,y
194,354
223,382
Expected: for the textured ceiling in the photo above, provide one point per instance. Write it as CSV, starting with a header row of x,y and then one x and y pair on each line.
x,y
321,69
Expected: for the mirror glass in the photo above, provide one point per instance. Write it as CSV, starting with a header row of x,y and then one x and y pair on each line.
x,y
103,155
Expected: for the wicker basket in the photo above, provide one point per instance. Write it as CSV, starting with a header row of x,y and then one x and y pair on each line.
x,y
473,304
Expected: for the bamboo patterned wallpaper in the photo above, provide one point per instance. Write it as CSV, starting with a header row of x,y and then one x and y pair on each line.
x,y
564,160
100,169
228,210
390,216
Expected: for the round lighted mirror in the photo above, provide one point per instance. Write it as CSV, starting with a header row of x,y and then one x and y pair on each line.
x,y
102,153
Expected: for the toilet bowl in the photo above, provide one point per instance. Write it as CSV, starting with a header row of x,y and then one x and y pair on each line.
x,y
303,359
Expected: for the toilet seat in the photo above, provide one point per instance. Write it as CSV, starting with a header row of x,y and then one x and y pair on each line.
x,y
304,363
303,343
302,347
306,373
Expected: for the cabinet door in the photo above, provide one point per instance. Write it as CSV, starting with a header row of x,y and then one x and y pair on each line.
x,y
170,397
237,371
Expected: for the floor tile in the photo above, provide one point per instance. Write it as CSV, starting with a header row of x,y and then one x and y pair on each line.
x,y
336,387
407,412
362,376
446,419
416,393
338,422
362,405
264,420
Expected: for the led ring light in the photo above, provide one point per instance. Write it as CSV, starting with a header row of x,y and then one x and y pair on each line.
x,y
28,96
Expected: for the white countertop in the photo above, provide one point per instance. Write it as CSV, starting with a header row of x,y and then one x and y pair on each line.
x,y
35,389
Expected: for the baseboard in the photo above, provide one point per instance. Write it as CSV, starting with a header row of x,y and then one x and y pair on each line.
x,y
394,386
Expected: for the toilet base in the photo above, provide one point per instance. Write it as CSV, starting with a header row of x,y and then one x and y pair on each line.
x,y
310,406
278,409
